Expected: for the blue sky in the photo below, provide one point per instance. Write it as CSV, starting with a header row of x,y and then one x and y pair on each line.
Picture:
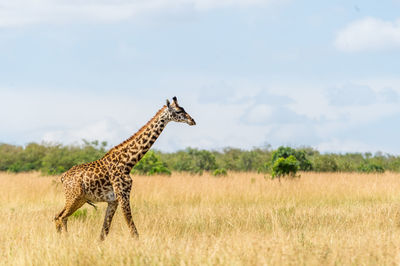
x,y
313,73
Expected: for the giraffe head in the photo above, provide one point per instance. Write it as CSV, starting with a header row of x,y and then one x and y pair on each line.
x,y
178,114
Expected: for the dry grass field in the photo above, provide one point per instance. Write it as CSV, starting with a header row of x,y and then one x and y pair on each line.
x,y
242,219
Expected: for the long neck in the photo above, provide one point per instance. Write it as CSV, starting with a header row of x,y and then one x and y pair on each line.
x,y
125,155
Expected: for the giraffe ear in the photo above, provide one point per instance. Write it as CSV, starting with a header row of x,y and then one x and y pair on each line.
x,y
168,103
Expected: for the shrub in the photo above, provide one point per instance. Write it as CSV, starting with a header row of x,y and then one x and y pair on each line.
x,y
325,163
9,157
230,159
369,167
151,164
194,161
220,172
265,168
285,167
59,158
80,214
299,155
251,160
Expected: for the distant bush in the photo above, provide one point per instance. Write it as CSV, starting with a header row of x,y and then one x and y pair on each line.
x,y
285,167
56,158
369,167
242,160
325,163
229,159
59,159
151,164
349,162
10,158
220,172
265,168
194,161
300,155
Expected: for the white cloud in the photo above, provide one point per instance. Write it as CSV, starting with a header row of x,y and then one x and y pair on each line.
x,y
27,12
211,4
369,34
284,115
64,117
345,145
351,94
259,114
106,129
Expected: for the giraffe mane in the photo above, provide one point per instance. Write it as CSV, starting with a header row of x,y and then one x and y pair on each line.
x,y
137,133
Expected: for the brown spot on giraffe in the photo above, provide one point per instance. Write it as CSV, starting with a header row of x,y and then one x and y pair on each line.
x,y
108,179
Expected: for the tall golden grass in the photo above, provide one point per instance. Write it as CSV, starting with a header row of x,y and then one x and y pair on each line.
x,y
319,219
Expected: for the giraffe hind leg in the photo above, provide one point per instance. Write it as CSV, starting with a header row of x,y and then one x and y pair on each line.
x,y
58,221
70,208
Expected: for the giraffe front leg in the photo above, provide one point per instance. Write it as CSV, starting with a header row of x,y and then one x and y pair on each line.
x,y
126,209
111,208
122,189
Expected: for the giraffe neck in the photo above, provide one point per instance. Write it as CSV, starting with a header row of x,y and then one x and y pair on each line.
x,y
125,155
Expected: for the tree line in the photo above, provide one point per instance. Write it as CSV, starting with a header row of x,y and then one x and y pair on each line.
x,y
57,158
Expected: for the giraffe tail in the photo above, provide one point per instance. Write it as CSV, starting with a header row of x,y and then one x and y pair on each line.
x,y
91,204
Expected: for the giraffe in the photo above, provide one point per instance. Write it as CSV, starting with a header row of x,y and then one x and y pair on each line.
x,y
108,179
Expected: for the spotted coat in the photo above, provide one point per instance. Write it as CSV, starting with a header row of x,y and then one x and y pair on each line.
x,y
108,179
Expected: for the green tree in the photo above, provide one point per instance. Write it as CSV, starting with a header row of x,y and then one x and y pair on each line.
x,y
32,157
59,158
251,160
300,155
325,163
370,167
230,159
151,164
9,157
285,167
195,161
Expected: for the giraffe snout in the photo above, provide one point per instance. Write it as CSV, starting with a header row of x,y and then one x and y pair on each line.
x,y
192,122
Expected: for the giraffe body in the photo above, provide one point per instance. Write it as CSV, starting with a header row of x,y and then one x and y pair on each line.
x,y
108,179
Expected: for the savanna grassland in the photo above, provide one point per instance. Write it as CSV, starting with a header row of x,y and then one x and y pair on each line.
x,y
319,219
